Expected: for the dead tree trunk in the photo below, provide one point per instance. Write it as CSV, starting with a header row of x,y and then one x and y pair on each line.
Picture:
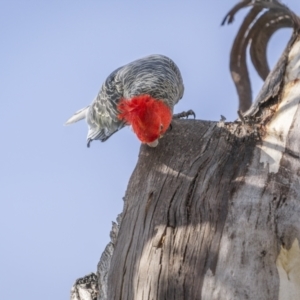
x,y
206,214
214,211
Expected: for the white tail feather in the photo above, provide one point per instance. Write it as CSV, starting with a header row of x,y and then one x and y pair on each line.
x,y
79,115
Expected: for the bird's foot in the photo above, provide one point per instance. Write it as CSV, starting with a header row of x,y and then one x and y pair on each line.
x,y
184,114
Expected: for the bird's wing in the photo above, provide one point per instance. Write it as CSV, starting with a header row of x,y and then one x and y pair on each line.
x,y
102,116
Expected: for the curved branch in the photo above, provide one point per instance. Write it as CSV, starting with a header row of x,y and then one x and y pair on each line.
x,y
260,35
257,33
238,65
229,18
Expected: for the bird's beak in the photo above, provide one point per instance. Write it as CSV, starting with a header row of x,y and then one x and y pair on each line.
x,y
153,144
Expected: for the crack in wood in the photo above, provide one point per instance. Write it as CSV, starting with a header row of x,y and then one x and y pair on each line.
x,y
150,198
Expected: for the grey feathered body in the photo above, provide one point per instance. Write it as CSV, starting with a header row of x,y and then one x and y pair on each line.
x,y
155,75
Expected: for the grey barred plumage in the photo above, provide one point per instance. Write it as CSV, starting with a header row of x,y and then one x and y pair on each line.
x,y
154,75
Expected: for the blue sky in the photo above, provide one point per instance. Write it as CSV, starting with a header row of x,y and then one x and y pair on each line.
x,y
58,197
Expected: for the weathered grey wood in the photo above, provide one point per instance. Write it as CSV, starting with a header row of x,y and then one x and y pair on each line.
x,y
176,211
85,288
105,259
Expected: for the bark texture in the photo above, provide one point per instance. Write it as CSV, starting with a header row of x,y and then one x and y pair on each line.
x,y
177,204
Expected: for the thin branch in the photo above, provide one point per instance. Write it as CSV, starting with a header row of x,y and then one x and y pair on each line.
x,y
260,35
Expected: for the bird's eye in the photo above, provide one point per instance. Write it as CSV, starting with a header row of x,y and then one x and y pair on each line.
x,y
161,127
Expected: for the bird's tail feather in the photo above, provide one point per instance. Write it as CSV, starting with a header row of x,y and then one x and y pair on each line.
x,y
79,115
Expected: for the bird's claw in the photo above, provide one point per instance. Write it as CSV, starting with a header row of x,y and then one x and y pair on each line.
x,y
184,114
223,119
